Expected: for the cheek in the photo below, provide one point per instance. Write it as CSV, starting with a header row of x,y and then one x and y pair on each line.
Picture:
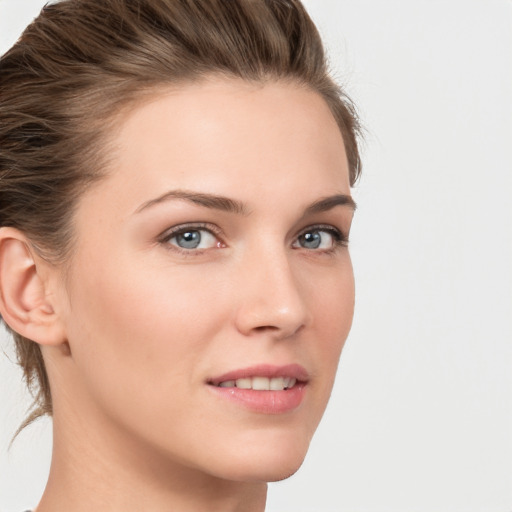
x,y
138,333
333,304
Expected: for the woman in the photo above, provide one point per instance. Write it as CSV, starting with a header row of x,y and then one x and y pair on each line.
x,y
175,211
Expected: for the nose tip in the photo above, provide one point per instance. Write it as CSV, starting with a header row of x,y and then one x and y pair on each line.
x,y
272,302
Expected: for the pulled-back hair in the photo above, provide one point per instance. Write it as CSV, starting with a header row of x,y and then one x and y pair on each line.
x,y
64,83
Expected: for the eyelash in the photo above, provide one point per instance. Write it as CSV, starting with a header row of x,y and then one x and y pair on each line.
x,y
339,238
184,228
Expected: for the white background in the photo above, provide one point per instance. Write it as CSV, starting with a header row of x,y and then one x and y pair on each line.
x,y
421,415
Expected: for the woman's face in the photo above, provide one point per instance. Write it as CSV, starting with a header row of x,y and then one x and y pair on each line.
x,y
211,264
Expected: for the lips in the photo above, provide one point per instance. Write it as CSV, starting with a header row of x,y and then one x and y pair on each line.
x,y
263,389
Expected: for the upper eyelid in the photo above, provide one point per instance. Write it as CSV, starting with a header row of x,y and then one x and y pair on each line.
x,y
192,226
340,235
322,227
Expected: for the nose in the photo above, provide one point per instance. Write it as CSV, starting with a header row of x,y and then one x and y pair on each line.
x,y
271,297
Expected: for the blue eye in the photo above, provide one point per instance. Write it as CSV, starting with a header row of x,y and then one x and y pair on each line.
x,y
190,239
319,238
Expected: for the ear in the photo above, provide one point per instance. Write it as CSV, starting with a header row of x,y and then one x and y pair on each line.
x,y
25,302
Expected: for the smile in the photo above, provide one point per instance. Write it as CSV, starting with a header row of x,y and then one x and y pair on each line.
x,y
260,383
263,389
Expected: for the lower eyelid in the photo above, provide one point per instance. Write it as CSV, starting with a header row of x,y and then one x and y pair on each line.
x,y
339,239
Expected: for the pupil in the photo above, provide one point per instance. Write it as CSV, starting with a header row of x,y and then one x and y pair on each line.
x,y
311,240
189,239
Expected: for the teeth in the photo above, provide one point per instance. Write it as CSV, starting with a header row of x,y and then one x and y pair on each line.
x,y
244,383
276,384
261,383
227,384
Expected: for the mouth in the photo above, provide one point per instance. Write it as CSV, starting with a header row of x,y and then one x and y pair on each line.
x,y
263,389
260,383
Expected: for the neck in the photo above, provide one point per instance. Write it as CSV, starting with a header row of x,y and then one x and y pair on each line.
x,y
106,471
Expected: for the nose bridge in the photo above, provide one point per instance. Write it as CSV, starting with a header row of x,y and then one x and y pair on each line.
x,y
271,296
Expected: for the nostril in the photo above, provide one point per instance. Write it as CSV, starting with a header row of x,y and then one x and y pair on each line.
x,y
262,328
277,332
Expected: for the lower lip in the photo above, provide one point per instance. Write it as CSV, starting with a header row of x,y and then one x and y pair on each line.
x,y
264,402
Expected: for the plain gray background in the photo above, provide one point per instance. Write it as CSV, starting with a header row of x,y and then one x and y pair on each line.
x,y
421,414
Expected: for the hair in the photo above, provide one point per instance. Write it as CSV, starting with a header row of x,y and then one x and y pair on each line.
x,y
66,80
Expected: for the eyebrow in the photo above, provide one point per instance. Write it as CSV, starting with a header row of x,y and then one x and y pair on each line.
x,y
207,200
233,206
330,202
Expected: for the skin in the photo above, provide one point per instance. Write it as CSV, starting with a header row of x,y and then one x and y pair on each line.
x,y
145,323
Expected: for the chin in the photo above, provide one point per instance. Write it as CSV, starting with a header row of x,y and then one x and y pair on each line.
x,y
268,472
284,473
266,462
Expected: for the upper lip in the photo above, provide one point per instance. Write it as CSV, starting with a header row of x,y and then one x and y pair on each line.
x,y
295,371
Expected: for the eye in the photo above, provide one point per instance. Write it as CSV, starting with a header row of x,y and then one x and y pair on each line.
x,y
190,238
320,238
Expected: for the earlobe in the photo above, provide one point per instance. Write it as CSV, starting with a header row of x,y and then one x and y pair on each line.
x,y
24,302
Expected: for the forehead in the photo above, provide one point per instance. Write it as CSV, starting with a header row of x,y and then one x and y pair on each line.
x,y
228,133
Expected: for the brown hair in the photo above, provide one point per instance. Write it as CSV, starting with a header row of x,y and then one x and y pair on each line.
x,y
81,61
